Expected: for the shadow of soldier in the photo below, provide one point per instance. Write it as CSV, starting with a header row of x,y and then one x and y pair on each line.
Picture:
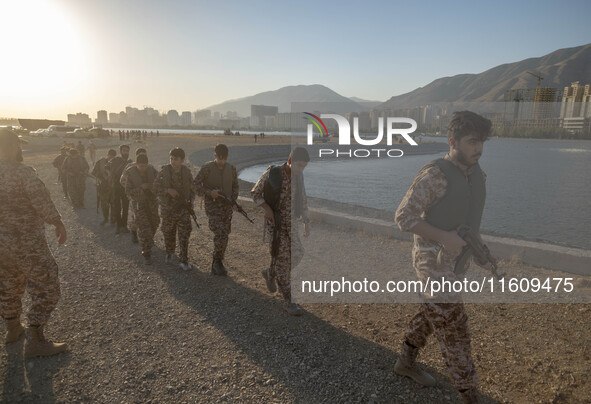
x,y
30,380
314,360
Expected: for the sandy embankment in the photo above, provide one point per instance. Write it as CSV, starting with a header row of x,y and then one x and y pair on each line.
x,y
157,334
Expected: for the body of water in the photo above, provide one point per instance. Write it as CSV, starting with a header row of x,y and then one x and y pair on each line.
x,y
536,189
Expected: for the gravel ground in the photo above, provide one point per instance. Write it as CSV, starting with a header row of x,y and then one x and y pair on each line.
x,y
158,334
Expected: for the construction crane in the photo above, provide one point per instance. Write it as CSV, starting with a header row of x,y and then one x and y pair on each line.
x,y
540,78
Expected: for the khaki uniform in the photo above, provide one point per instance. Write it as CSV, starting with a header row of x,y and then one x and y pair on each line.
x,y
26,260
143,205
219,211
448,321
75,169
175,218
290,249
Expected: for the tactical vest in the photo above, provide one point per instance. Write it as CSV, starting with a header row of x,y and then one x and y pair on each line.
x,y
185,179
220,178
272,187
136,178
464,198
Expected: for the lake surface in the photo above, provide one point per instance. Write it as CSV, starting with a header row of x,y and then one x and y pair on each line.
x,y
536,189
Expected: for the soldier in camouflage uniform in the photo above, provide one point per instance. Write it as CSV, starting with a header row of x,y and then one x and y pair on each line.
x,y
101,173
120,203
282,203
445,194
75,169
123,181
138,187
174,188
26,262
217,177
57,163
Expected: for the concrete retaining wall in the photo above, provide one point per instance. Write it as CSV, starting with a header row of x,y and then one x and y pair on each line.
x,y
549,256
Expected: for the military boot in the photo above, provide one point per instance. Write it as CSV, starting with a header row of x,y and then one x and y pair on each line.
x,y
14,329
271,286
293,309
147,258
217,268
37,345
469,396
406,366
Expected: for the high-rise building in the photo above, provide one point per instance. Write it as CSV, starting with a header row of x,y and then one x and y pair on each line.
x,y
572,100
172,117
79,119
113,117
102,117
258,114
185,119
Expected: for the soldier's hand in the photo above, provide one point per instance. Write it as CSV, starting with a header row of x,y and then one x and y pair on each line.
x,y
235,207
60,232
453,243
147,186
173,192
214,194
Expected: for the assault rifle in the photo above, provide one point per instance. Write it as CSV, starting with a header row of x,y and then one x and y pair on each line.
x,y
184,204
233,203
474,247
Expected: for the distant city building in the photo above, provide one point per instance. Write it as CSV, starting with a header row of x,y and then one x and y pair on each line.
x,y
185,119
203,117
113,117
258,114
79,119
575,101
216,115
172,117
102,117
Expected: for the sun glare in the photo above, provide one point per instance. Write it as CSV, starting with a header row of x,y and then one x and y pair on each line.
x,y
43,49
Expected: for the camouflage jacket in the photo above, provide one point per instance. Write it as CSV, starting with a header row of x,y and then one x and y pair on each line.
x,y
428,187
25,203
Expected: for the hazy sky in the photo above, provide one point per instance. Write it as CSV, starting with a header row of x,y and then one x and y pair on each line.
x,y
67,56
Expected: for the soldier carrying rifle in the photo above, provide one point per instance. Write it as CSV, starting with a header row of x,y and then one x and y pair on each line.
x,y
174,188
280,192
445,196
216,181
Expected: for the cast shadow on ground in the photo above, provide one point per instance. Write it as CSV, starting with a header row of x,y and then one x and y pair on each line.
x,y
38,373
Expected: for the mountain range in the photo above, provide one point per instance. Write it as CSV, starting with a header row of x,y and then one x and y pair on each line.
x,y
558,69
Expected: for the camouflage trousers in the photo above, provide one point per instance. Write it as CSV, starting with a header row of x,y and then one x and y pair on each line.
x,y
104,193
289,255
220,223
176,221
448,321
27,264
64,180
119,206
76,188
147,222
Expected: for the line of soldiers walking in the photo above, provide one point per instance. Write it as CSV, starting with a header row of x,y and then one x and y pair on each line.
x,y
446,193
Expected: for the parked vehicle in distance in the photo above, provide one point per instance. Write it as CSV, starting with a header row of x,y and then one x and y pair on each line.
x,y
19,130
59,130
39,133
88,133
